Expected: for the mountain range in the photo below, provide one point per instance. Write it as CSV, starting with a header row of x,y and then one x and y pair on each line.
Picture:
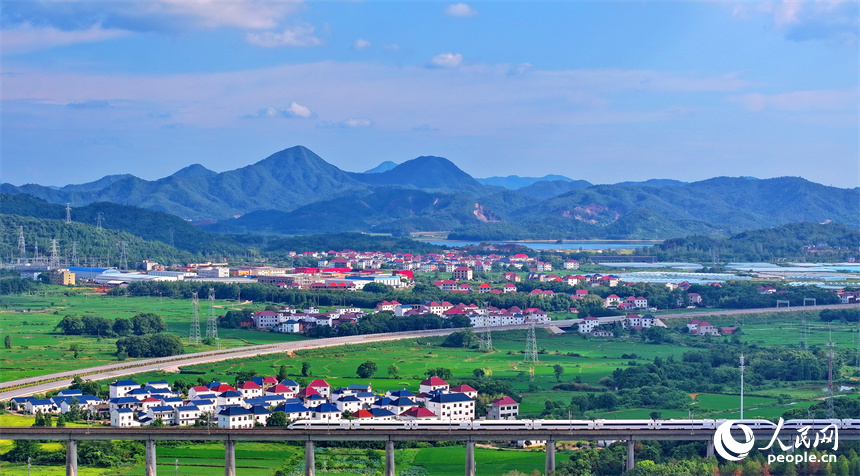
x,y
294,191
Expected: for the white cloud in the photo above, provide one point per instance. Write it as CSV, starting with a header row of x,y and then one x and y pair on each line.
x,y
801,101
460,10
360,44
27,38
150,15
447,60
293,110
802,20
302,35
357,123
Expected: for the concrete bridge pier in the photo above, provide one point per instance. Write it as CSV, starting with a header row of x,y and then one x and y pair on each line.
x,y
310,462
710,451
389,458
550,458
71,458
470,458
149,457
630,461
229,457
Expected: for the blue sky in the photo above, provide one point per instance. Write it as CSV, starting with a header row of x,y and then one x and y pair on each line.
x,y
603,91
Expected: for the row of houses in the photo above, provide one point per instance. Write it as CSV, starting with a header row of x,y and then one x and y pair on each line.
x,y
251,403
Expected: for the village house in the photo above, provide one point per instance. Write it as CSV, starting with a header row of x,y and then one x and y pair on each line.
x,y
505,408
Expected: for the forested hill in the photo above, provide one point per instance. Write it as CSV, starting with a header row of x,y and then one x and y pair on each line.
x,y
795,241
94,246
296,191
147,224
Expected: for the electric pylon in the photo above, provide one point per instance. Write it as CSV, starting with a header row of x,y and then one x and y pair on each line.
x,y
74,259
211,323
68,213
194,336
22,245
531,345
123,255
55,256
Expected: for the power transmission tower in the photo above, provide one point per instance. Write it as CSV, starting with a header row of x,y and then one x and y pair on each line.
x,y
831,353
858,345
99,220
74,259
211,323
55,256
170,233
531,344
485,341
22,246
194,336
68,213
123,255
803,331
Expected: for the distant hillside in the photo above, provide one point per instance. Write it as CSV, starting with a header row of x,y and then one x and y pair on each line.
x,y
285,180
387,210
552,188
94,246
426,173
351,241
147,224
383,167
296,191
515,182
652,183
794,241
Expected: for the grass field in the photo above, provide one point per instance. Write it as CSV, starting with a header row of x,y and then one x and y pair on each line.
x,y
38,349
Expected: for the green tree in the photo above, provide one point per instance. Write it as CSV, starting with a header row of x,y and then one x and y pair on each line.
x,y
122,327
76,348
22,450
441,372
377,288
557,370
148,323
61,421
282,373
306,369
366,369
7,342
158,423
277,419
479,373
464,338
393,371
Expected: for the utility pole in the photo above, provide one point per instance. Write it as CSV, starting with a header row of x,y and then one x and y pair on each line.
x,y
831,353
68,213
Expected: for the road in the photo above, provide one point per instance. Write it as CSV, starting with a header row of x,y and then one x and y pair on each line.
x,y
45,383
